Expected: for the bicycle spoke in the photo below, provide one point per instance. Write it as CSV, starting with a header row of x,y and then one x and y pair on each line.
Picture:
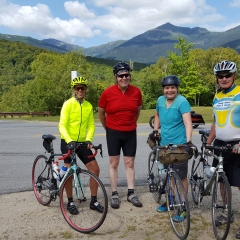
x,y
221,207
197,180
178,206
154,178
42,180
87,220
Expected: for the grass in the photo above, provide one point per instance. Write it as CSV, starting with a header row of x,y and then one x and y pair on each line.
x,y
144,117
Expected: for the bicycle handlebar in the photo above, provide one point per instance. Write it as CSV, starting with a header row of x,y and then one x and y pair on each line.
x,y
83,145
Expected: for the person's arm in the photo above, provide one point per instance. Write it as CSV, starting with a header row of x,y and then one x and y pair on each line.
x,y
138,112
102,116
212,134
188,125
156,122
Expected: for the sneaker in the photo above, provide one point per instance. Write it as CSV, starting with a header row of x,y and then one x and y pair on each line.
x,y
180,216
162,208
72,208
222,219
96,206
238,234
115,202
134,200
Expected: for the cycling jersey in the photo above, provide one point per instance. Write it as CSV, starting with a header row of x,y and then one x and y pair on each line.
x,y
76,121
121,108
226,108
172,126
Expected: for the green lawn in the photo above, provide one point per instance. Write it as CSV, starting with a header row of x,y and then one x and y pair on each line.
x,y
144,116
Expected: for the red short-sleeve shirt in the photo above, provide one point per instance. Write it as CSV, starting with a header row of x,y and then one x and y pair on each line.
x,y
121,108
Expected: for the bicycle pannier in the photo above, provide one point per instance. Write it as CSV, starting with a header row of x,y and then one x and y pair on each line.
x,y
47,145
174,155
151,143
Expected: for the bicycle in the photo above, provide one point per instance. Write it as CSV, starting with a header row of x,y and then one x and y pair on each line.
x,y
170,185
217,185
47,188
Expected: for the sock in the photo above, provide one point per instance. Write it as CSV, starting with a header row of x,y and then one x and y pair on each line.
x,y
70,199
114,193
130,191
93,199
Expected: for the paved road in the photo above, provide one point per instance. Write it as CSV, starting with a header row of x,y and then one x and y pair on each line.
x,y
21,142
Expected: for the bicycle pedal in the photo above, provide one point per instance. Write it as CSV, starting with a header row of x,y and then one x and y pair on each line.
x,y
153,187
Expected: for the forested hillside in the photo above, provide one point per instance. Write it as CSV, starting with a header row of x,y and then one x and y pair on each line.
x,y
34,79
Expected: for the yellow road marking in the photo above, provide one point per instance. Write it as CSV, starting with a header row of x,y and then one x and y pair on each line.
x,y
103,134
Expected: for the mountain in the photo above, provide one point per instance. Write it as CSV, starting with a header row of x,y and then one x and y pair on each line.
x,y
146,47
149,46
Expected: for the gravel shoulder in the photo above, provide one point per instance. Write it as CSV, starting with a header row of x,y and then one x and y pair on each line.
x,y
22,217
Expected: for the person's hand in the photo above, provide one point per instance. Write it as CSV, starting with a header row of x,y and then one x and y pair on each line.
x,y
154,135
193,147
89,144
236,148
71,145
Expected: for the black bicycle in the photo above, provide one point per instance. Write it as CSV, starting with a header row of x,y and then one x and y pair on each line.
x,y
169,184
217,186
47,188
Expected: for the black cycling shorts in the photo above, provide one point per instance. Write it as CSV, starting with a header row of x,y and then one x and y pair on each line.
x,y
231,163
117,140
82,153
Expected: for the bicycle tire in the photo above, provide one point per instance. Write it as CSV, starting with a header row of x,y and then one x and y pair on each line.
x,y
178,206
87,220
197,180
42,180
154,177
221,191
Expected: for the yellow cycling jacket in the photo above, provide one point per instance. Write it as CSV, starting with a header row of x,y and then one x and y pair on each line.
x,y
76,121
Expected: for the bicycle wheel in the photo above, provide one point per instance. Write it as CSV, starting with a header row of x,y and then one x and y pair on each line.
x,y
178,206
42,179
154,177
87,220
197,180
221,207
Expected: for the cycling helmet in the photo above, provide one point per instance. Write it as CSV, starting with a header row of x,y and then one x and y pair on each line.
x,y
79,81
225,66
170,80
121,66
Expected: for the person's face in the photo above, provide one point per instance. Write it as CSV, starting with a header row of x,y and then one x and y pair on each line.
x,y
123,79
80,91
225,80
170,92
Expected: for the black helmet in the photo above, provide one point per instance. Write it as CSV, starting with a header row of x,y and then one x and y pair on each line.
x,y
170,80
121,66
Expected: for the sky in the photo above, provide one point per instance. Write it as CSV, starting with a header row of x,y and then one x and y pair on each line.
x,y
95,22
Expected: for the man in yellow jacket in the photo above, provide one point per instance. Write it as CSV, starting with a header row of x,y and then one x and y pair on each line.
x,y
77,125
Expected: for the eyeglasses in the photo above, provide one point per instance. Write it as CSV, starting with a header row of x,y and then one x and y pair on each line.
x,y
224,76
123,75
80,88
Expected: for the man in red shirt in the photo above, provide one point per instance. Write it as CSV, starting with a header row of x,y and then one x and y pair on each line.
x,y
119,107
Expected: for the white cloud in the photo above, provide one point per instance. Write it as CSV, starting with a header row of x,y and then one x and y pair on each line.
x,y
110,18
235,3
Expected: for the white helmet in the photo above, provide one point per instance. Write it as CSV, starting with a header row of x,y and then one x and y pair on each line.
x,y
225,66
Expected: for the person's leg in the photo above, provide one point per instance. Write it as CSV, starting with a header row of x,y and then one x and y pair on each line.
x,y
113,171
130,172
129,151
68,187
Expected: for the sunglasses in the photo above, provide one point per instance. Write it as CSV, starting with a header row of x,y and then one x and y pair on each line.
x,y
80,88
123,75
224,76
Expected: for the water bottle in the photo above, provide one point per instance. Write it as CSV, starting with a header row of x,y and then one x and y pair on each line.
x,y
55,169
210,172
206,171
62,172
162,172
